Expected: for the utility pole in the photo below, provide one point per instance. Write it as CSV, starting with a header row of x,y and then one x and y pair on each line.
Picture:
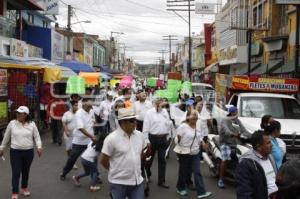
x,y
170,38
69,29
163,59
186,6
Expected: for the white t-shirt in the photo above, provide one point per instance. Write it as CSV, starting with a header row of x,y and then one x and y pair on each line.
x,y
270,175
124,157
70,120
103,110
90,153
83,120
156,123
190,138
141,109
21,136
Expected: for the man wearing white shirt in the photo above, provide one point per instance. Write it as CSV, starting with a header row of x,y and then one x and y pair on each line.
x,y
140,108
121,156
103,112
157,128
82,135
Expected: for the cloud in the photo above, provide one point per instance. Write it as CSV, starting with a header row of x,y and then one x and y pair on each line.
x,y
143,22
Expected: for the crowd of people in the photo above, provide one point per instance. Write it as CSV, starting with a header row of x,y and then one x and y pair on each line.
x,y
123,131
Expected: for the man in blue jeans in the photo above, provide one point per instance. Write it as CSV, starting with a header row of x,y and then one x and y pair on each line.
x,y
82,135
121,156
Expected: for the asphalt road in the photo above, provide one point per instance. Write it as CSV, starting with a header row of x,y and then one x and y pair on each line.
x,y
45,183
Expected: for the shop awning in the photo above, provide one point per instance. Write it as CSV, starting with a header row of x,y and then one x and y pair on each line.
x,y
286,68
212,68
66,72
77,67
91,79
21,66
52,74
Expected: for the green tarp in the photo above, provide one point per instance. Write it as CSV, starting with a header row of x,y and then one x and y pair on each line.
x,y
75,85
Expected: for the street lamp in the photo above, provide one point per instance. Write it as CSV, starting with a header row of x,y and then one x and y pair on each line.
x,y
86,21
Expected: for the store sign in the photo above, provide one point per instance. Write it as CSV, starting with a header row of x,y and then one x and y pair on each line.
x,y
51,7
288,2
57,43
205,8
34,51
265,84
3,82
18,48
227,54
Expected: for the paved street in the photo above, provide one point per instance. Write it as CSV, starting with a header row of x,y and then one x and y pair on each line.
x,y
45,182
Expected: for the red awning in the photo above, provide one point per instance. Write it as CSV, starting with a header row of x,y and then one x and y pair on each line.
x,y
23,5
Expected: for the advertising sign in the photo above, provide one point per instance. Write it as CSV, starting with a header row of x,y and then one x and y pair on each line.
x,y
3,82
265,84
18,48
289,2
205,8
51,7
57,43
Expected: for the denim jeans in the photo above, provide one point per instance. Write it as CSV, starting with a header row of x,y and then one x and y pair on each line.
x,y
122,191
189,163
77,150
90,168
20,161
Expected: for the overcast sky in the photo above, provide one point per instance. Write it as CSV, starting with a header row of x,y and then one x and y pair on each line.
x,y
144,23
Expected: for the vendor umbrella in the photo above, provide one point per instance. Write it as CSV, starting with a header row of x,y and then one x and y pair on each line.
x,y
77,66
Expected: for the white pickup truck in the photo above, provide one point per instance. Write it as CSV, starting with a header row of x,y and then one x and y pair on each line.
x,y
252,106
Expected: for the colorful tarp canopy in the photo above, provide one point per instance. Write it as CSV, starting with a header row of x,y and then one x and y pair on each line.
x,y
66,72
51,74
77,67
91,79
75,85
151,82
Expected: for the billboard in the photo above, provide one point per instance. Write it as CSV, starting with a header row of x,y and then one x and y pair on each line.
x,y
205,8
289,2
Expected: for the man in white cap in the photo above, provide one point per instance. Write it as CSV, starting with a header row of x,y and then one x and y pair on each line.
x,y
121,156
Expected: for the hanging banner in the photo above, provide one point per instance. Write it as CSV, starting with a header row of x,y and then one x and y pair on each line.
x,y
275,85
3,83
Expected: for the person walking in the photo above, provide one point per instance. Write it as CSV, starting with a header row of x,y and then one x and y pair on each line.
x,y
22,133
156,128
256,172
140,108
69,124
89,159
121,156
103,111
55,109
82,135
113,117
188,143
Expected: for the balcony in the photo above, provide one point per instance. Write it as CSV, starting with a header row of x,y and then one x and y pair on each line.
x,y
7,27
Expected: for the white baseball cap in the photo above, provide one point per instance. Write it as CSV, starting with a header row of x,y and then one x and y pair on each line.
x,y
23,109
126,113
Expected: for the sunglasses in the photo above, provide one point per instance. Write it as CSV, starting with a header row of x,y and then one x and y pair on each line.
x,y
131,120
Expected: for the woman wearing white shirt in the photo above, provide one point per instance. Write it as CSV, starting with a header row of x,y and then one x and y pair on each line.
x,y
188,142
22,133
69,124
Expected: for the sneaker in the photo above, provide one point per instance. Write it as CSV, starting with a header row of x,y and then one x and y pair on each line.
x,y
14,196
75,167
76,181
206,194
62,177
94,188
25,192
182,193
221,184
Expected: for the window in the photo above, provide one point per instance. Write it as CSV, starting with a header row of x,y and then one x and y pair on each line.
x,y
45,24
258,15
30,18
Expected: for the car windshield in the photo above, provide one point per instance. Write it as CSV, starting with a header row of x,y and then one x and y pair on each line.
x,y
282,108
